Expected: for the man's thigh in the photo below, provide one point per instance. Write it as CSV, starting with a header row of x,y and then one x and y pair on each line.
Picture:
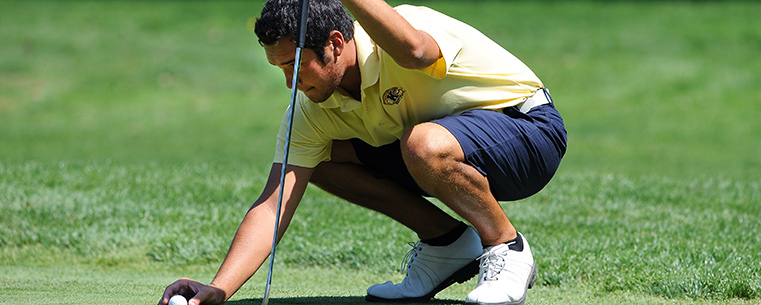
x,y
517,152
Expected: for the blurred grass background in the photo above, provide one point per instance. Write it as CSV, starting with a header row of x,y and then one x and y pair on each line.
x,y
135,81
642,84
134,135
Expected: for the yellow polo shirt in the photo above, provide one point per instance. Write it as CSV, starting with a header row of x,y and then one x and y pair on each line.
x,y
473,72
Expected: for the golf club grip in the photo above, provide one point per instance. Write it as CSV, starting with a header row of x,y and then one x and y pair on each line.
x,y
303,17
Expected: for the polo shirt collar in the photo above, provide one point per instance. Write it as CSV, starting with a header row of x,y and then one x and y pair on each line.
x,y
341,99
367,57
369,69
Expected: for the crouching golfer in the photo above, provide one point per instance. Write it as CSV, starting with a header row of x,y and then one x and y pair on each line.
x,y
404,104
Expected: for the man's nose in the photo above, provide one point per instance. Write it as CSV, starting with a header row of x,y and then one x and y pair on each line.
x,y
289,80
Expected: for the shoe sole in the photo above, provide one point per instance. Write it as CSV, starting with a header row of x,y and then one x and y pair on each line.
x,y
529,285
460,276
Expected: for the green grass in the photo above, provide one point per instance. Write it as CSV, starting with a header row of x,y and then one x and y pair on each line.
x,y
133,137
612,234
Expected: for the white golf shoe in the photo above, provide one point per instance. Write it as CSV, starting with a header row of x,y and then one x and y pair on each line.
x,y
505,275
431,269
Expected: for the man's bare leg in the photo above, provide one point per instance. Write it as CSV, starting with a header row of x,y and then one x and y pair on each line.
x,y
447,251
345,178
436,161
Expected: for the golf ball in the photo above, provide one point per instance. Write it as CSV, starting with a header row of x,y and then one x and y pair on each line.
x,y
178,300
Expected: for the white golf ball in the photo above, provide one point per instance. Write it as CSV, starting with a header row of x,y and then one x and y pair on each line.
x,y
178,300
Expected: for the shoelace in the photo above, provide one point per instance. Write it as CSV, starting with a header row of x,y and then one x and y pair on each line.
x,y
492,262
410,256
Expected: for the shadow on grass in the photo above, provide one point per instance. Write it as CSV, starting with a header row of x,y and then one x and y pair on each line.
x,y
330,300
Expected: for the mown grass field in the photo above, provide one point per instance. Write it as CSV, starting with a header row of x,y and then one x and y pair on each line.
x,y
133,137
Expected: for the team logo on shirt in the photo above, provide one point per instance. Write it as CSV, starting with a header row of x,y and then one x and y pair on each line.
x,y
393,96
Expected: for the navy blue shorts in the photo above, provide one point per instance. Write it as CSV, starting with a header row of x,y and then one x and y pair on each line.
x,y
517,152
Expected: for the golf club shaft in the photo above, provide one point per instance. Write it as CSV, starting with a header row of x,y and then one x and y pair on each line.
x,y
301,32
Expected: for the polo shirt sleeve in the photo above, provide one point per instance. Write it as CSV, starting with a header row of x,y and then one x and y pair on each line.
x,y
309,145
436,25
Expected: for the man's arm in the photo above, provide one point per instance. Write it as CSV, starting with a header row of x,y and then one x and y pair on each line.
x,y
409,47
252,243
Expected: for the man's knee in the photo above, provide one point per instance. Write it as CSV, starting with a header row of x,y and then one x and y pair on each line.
x,y
428,144
319,177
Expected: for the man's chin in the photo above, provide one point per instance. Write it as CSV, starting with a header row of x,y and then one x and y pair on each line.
x,y
317,98
318,101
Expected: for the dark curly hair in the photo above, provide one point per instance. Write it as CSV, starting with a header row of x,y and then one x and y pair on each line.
x,y
279,19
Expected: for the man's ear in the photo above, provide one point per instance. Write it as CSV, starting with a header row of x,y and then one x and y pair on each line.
x,y
336,42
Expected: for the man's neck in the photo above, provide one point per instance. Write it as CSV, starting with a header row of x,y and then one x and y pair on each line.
x,y
352,79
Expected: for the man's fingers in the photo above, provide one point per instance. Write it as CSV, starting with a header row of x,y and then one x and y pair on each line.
x,y
199,297
194,301
209,294
183,286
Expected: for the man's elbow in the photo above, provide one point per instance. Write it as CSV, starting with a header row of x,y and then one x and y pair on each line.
x,y
420,51
417,58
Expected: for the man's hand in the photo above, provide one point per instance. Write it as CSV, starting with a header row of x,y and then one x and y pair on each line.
x,y
198,293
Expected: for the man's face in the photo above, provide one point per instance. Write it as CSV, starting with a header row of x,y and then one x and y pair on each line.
x,y
317,80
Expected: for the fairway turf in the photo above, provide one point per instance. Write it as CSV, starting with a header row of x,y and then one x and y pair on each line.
x,y
134,136
61,285
58,224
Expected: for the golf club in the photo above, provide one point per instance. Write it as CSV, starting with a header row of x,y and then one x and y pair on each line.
x,y
301,36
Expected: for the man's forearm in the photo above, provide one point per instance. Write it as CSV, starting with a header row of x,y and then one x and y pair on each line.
x,y
248,251
253,240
